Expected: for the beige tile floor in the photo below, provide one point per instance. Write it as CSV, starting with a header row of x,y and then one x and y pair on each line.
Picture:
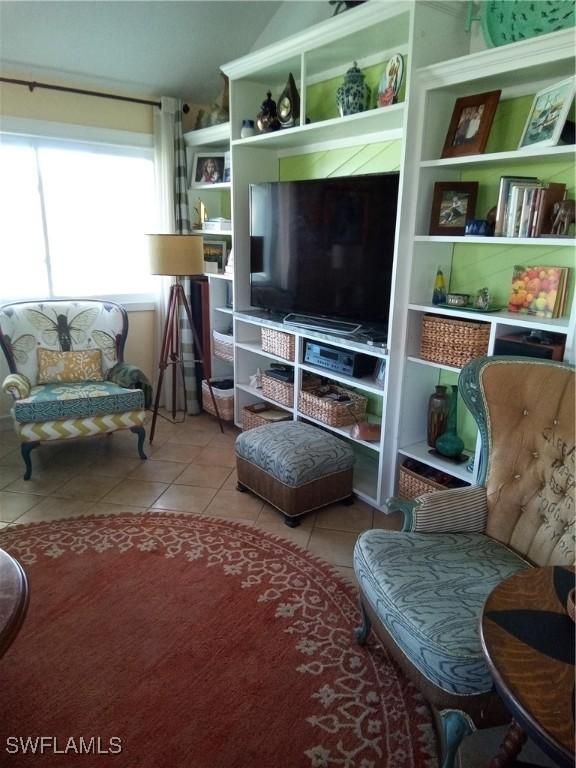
x,y
190,469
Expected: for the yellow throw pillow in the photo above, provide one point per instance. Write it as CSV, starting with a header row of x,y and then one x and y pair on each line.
x,y
55,366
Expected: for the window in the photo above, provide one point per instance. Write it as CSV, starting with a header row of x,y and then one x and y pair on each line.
x,y
73,217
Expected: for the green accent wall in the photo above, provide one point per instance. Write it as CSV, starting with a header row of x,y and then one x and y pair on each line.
x,y
348,161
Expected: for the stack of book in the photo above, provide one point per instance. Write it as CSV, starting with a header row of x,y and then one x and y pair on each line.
x,y
525,206
539,291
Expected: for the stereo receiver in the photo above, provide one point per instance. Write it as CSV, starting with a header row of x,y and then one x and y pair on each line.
x,y
343,361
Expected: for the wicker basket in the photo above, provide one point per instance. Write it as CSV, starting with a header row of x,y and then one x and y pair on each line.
x,y
223,346
453,342
411,484
278,343
315,404
224,400
261,413
283,391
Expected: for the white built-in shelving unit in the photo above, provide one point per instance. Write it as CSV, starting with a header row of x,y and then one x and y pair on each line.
x,y
439,69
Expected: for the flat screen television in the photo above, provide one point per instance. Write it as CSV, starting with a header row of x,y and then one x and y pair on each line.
x,y
324,247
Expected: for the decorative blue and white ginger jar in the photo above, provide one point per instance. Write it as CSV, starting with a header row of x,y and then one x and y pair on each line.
x,y
353,95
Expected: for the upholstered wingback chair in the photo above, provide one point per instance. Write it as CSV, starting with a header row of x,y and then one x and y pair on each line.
x,y
423,588
67,374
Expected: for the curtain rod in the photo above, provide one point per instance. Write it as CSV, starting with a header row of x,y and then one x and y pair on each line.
x,y
31,84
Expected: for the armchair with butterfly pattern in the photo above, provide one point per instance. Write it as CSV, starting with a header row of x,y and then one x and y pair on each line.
x,y
67,374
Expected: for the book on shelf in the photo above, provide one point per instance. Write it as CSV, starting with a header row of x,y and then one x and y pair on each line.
x,y
525,206
538,290
503,196
515,206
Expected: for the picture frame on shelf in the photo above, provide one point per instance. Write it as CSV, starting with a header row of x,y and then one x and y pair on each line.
x,y
215,253
208,168
470,124
548,115
454,202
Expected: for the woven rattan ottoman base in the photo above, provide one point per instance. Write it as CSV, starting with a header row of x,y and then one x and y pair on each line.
x,y
270,468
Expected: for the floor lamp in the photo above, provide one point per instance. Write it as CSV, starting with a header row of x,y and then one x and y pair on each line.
x,y
176,256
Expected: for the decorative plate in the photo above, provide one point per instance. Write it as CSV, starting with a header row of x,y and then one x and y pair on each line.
x,y
508,21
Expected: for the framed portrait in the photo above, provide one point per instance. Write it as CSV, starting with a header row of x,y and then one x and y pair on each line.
x,y
470,124
454,202
215,253
548,114
208,168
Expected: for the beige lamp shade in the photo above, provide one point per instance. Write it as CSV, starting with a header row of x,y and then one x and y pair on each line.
x,y
176,255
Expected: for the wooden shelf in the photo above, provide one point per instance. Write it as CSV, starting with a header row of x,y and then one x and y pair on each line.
x,y
214,135
553,324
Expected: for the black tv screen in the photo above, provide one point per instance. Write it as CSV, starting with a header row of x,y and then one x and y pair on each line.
x,y
324,247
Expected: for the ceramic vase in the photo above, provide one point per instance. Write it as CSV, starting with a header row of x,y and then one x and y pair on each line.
x,y
449,444
353,95
438,405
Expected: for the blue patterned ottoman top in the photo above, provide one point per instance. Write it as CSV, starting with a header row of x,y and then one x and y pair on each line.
x,y
428,590
294,453
79,400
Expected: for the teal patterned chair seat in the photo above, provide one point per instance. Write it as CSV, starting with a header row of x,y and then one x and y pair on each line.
x,y
429,589
296,467
422,589
79,400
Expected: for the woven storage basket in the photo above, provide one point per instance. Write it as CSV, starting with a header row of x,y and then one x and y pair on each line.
x,y
224,400
257,415
278,343
452,342
332,412
223,346
283,391
411,484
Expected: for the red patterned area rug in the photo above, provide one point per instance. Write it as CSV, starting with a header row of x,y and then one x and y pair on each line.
x,y
178,641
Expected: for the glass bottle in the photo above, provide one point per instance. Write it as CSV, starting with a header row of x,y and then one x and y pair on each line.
x,y
439,293
438,404
449,444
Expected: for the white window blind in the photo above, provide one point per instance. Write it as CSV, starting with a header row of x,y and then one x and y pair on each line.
x,y
73,216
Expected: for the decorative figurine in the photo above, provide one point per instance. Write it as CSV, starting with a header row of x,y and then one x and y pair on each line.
x,y
562,216
483,299
267,118
353,95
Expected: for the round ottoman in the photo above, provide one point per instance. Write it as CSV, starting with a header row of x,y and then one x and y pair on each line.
x,y
294,466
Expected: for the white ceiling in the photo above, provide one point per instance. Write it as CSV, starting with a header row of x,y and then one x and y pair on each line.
x,y
146,48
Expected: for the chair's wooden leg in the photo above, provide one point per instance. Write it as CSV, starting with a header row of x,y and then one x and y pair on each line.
x,y
455,726
141,432
25,450
510,747
241,488
361,633
291,522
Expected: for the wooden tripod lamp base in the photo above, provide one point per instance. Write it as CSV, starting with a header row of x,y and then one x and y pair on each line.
x,y
176,256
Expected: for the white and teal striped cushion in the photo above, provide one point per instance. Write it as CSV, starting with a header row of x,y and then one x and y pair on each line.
x,y
453,510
